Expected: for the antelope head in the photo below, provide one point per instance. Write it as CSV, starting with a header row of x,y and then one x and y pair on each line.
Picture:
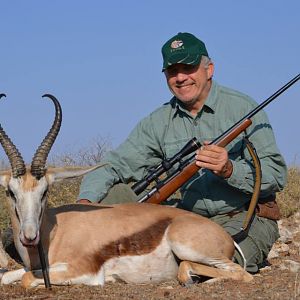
x,y
26,187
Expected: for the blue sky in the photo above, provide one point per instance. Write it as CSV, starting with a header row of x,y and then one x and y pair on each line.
x,y
102,60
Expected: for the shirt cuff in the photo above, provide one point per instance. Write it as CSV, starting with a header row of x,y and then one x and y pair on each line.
x,y
238,175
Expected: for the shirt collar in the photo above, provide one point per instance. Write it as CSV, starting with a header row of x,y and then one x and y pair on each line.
x,y
209,105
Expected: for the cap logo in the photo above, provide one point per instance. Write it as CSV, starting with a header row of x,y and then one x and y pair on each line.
x,y
176,44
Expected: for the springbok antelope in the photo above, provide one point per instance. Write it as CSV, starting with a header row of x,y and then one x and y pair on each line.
x,y
94,244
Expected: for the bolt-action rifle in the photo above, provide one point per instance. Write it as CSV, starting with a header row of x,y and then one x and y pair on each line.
x,y
186,169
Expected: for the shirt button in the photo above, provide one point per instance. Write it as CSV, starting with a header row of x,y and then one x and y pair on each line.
x,y
195,123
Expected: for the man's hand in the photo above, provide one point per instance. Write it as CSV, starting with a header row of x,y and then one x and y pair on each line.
x,y
214,158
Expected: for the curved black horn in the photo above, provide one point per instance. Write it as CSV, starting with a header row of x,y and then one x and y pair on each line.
x,y
38,165
13,154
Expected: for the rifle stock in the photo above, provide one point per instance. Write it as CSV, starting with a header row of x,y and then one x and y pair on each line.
x,y
174,183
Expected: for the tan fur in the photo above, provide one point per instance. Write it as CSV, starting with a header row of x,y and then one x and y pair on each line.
x,y
110,231
27,279
28,182
128,230
82,241
187,269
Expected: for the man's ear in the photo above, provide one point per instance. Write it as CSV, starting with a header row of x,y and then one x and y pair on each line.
x,y
210,70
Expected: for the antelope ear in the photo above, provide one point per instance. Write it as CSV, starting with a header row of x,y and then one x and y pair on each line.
x,y
57,174
4,178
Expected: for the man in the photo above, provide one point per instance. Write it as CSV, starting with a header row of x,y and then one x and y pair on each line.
x,y
203,109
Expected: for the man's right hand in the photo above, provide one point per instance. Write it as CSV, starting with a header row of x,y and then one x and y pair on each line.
x,y
214,158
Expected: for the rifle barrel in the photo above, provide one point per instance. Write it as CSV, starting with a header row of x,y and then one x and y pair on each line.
x,y
271,98
258,108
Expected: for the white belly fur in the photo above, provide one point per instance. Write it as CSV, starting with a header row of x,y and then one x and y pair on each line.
x,y
159,265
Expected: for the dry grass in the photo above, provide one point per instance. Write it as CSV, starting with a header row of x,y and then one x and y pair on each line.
x,y
288,200
66,192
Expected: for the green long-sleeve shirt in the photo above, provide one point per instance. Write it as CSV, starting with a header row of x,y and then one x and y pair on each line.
x,y
165,131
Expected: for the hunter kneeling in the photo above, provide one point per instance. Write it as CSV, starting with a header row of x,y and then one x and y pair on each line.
x,y
222,190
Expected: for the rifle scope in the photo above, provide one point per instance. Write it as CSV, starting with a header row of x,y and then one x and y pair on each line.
x,y
166,165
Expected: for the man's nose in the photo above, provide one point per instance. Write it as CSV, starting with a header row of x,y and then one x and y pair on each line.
x,y
180,76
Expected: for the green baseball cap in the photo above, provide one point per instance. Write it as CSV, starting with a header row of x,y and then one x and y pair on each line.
x,y
183,48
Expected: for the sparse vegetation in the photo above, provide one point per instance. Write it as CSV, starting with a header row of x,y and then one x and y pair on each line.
x,y
66,192
288,200
86,156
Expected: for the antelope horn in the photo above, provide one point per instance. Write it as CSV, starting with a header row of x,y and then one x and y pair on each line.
x,y
38,165
13,154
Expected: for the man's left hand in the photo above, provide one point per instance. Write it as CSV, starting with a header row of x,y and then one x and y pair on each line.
x,y
214,158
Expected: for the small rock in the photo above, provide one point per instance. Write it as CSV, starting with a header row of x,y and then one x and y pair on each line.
x,y
279,249
265,269
290,265
286,236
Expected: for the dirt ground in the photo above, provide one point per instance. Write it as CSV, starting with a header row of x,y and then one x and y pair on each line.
x,y
273,282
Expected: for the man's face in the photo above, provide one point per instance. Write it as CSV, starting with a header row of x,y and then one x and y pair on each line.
x,y
190,84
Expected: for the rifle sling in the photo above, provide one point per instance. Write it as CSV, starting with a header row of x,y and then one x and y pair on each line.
x,y
241,235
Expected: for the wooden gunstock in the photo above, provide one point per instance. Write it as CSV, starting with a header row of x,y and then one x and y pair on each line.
x,y
191,169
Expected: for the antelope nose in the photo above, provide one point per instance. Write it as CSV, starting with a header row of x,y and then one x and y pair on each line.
x,y
30,242
29,237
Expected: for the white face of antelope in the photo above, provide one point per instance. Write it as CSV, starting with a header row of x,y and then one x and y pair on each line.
x,y
27,187
28,198
28,201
